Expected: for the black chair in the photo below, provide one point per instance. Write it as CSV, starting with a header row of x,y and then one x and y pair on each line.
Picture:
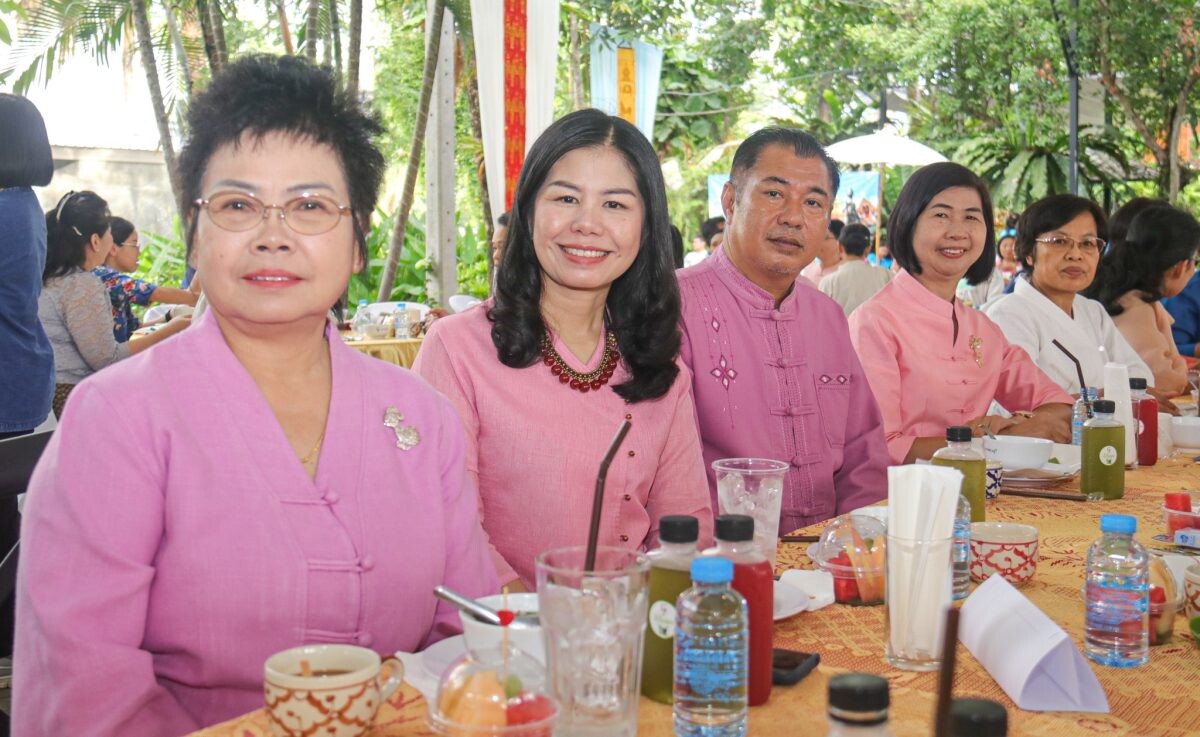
x,y
18,457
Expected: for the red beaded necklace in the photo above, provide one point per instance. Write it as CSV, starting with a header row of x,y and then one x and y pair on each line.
x,y
584,383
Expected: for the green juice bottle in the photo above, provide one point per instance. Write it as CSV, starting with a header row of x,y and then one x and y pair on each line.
x,y
959,454
1103,454
670,576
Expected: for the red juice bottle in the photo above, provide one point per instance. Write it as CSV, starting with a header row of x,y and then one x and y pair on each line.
x,y
754,579
1145,416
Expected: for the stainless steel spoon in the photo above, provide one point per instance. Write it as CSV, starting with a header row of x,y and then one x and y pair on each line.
x,y
481,612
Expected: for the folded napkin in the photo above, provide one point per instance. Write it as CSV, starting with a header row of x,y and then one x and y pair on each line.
x,y
418,676
1031,657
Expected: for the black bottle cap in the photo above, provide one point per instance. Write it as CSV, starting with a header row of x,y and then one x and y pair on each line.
x,y
977,718
735,528
958,434
678,528
1107,406
857,692
1137,383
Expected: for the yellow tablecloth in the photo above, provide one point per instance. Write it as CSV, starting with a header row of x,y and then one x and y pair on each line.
x,y
1161,698
401,352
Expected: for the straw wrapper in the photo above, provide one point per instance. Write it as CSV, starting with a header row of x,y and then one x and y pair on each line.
x,y
922,500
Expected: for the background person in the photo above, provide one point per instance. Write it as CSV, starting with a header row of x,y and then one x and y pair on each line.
x,y
124,291
931,361
582,334
855,281
1184,309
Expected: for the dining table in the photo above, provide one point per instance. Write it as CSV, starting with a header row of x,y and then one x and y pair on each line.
x,y
400,351
1161,698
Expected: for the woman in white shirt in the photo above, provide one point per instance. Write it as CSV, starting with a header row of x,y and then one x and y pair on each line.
x,y
1059,240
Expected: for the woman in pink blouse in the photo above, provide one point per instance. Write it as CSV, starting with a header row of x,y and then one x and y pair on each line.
x,y
251,484
931,361
583,333
1155,259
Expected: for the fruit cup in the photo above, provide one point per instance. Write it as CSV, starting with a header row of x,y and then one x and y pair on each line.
x,y
853,549
1181,510
493,692
1162,616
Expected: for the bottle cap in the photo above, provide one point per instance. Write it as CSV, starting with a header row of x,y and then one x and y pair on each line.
x,y
1137,383
1106,406
711,569
735,528
678,528
363,302
1121,523
858,692
977,718
958,434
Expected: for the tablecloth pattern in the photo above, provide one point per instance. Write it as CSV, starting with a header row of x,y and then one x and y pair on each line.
x,y
401,352
1160,699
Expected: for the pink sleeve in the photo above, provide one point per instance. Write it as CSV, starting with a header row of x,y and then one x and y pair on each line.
x,y
1023,386
877,350
467,548
434,365
89,536
680,485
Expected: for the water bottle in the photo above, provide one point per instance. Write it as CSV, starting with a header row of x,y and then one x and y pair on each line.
x,y
959,454
962,548
711,654
1117,619
362,318
400,320
977,718
858,706
1082,412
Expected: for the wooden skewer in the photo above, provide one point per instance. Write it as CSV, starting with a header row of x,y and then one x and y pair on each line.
x,y
306,669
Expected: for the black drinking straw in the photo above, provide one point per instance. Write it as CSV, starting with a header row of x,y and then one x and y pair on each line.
x,y
1074,360
598,498
941,718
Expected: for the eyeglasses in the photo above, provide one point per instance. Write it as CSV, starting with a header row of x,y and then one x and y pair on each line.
x,y
308,214
1063,243
135,244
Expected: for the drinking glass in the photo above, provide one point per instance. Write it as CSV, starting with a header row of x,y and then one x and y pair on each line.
x,y
593,623
919,579
754,487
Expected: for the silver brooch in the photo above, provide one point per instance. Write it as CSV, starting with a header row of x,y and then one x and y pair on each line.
x,y
407,436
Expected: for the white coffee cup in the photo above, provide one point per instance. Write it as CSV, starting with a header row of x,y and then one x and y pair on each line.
x,y
339,699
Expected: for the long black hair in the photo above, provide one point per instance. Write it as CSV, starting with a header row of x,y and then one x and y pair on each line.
x,y
915,196
69,229
1159,237
643,303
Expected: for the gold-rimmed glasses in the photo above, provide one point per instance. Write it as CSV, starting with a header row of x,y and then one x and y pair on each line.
x,y
1090,245
307,214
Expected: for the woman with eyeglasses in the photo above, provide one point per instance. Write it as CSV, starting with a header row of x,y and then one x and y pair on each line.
x,y
269,486
1059,241
1155,259
931,361
74,306
124,291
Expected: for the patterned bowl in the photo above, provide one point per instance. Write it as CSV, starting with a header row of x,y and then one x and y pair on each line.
x,y
1007,548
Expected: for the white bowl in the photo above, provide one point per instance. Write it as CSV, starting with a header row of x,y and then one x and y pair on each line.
x,y
1017,451
1185,432
480,635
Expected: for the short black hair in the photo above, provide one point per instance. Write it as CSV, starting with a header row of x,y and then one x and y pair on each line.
x,y
801,143
915,196
25,158
1051,213
121,229
709,228
1118,224
855,239
835,227
69,229
261,94
1159,237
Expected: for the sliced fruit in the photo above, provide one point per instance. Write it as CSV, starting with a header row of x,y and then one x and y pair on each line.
x,y
480,702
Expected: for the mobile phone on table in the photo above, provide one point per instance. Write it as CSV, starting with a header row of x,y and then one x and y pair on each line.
x,y
790,666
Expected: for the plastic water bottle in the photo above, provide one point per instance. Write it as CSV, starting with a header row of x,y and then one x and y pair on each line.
x,y
1117,620
1082,412
358,326
400,320
712,651
962,548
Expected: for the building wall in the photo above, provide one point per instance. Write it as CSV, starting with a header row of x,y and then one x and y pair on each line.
x,y
134,183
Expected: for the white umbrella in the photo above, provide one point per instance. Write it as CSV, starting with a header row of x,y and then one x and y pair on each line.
x,y
883,148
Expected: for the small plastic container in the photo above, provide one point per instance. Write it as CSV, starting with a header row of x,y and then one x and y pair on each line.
x,y
853,549
1175,517
1162,620
493,692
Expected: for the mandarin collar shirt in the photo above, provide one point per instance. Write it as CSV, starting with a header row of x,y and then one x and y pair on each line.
x,y
933,364
783,384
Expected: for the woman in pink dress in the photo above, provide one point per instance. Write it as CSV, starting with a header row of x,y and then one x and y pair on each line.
x,y
583,333
931,361
251,484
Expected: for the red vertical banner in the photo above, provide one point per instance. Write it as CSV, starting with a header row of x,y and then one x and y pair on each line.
x,y
514,95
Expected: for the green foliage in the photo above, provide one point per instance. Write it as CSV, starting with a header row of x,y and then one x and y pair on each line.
x,y
52,31
163,257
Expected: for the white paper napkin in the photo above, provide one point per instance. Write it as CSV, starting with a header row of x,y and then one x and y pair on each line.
x,y
418,676
817,584
1031,657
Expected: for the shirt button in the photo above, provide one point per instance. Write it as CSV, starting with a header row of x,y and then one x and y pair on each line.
x,y
783,363
332,497
628,497
628,416
624,538
365,639
367,562
632,453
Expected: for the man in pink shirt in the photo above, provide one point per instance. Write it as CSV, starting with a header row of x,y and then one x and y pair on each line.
x,y
774,373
